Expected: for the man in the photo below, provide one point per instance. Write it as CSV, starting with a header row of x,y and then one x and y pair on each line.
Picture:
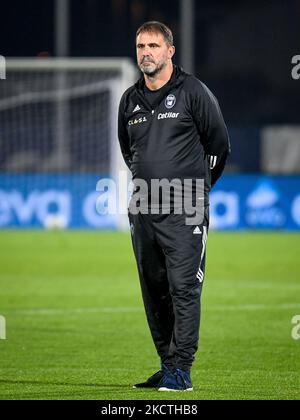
x,y
170,127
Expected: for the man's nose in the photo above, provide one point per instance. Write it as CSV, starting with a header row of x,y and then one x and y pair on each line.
x,y
146,51
147,57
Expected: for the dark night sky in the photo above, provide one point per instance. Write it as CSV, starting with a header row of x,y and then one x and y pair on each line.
x,y
98,27
243,49
26,27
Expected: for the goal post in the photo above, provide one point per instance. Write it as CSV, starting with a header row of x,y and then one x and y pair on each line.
x,y
59,119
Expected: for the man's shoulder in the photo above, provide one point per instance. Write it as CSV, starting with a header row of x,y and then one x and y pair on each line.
x,y
198,89
128,92
126,98
194,85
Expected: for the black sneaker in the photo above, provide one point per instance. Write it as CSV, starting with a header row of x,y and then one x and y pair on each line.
x,y
154,380
179,380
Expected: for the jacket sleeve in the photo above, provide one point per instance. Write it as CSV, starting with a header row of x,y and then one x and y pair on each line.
x,y
123,134
212,130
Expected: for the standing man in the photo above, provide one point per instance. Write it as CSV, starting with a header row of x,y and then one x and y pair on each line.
x,y
170,127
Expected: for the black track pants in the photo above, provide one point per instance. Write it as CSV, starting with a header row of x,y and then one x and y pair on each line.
x,y
170,258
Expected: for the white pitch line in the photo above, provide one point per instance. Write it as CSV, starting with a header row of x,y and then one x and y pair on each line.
x,y
56,311
121,310
254,307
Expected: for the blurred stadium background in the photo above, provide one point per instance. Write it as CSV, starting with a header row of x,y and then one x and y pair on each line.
x,y
67,64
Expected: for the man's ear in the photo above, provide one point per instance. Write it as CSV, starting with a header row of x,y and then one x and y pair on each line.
x,y
171,52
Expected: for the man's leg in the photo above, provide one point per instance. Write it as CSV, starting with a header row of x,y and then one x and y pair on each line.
x,y
185,259
154,284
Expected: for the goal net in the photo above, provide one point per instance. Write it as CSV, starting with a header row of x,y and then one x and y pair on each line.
x,y
58,137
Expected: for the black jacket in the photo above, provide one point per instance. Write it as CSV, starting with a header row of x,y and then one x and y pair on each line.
x,y
182,136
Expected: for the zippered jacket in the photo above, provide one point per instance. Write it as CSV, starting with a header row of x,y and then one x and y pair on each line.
x,y
181,136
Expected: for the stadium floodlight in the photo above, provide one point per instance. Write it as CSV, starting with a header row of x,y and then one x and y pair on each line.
x,y
59,116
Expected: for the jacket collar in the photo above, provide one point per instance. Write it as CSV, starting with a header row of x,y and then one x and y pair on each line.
x,y
177,78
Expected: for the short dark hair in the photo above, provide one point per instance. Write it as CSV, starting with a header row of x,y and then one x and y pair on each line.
x,y
157,27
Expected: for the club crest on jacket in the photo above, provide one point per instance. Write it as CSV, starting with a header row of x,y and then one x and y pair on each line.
x,y
170,101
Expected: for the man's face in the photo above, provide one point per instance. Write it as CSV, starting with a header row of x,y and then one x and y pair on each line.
x,y
153,53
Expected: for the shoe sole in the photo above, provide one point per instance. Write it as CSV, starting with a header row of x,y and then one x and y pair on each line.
x,y
175,390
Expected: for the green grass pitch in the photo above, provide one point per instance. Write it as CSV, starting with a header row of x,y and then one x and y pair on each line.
x,y
76,328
